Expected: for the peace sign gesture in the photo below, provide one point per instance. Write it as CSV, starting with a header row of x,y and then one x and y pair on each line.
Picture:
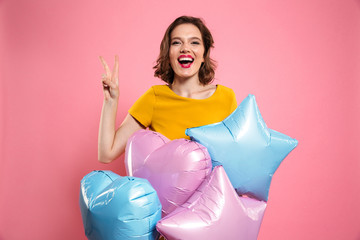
x,y
110,80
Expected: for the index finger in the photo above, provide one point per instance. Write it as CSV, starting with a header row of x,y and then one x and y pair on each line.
x,y
106,67
115,73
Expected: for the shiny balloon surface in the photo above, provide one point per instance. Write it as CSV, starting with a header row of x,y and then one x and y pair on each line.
x,y
213,212
115,207
174,168
248,150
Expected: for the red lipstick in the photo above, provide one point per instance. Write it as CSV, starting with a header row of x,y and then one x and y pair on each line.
x,y
185,61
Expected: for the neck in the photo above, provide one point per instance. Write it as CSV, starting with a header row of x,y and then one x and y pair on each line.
x,y
192,88
186,87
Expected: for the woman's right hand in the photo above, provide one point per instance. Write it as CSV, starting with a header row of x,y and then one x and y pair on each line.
x,y
110,80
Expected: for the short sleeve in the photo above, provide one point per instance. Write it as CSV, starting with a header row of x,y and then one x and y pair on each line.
x,y
233,102
143,108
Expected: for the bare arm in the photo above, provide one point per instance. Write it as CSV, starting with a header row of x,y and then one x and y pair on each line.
x,y
111,143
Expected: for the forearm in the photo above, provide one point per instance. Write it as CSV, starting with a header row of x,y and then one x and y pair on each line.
x,y
107,131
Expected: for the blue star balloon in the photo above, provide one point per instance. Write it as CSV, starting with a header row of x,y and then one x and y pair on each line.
x,y
115,207
249,151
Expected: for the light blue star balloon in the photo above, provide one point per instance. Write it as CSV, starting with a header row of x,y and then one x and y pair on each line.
x,y
249,151
115,207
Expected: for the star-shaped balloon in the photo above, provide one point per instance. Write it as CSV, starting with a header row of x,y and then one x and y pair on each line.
x,y
213,212
248,150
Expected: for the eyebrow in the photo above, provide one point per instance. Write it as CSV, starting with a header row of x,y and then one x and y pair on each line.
x,y
191,38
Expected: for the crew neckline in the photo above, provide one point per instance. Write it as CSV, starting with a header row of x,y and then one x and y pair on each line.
x,y
212,95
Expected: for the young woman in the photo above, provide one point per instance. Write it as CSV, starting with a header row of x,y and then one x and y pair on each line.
x,y
187,100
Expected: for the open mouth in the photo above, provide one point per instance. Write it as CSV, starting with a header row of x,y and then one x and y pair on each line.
x,y
185,61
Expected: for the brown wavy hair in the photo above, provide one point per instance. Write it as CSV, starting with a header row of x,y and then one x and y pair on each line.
x,y
163,68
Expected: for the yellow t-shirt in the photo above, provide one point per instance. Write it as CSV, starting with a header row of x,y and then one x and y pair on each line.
x,y
165,112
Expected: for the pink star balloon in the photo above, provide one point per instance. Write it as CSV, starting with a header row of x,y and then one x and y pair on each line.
x,y
213,212
175,169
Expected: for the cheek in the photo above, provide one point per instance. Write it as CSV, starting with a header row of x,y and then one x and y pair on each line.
x,y
172,55
172,61
202,59
201,52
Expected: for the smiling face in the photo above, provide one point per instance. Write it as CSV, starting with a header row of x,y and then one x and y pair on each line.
x,y
186,51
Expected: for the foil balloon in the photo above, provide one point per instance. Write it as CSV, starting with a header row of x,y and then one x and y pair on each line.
x,y
213,212
115,207
248,150
174,168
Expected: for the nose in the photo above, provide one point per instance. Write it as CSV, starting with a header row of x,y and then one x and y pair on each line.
x,y
184,48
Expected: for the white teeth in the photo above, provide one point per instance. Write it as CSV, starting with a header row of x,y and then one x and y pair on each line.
x,y
185,59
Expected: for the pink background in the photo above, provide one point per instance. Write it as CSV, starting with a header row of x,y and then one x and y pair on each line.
x,y
300,58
